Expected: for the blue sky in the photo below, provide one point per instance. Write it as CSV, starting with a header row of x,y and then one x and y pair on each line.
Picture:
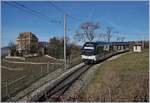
x,y
129,18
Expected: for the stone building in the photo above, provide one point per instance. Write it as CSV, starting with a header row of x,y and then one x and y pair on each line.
x,y
27,43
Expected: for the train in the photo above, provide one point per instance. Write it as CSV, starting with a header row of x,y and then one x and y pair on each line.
x,y
93,52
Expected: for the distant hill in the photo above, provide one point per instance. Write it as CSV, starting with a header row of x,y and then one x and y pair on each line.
x,y
4,51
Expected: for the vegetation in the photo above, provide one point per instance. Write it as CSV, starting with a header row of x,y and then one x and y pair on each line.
x,y
122,79
87,31
109,33
12,48
56,48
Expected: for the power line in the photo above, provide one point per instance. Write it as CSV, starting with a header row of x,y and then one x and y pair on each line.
x,y
34,11
31,11
20,8
62,11
21,5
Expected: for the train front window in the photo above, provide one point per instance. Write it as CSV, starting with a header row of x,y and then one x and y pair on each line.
x,y
88,49
88,52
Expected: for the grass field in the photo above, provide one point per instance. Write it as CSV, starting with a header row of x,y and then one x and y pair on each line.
x,y
122,79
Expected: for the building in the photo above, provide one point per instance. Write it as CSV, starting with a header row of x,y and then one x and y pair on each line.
x,y
27,43
137,47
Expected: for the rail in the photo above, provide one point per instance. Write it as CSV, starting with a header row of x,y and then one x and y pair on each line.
x,y
35,95
58,86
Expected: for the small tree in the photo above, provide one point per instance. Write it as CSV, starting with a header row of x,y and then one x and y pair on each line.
x,y
12,48
121,39
87,31
109,33
101,36
33,49
118,39
17,53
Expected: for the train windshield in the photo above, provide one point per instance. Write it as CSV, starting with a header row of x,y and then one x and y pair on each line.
x,y
88,51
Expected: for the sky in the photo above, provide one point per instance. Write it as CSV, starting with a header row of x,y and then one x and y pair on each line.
x,y
129,18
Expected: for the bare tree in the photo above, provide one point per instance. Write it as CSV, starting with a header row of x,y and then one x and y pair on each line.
x,y
109,33
121,39
12,48
118,39
87,31
101,36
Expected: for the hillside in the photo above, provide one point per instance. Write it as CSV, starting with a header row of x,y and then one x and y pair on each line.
x,y
122,79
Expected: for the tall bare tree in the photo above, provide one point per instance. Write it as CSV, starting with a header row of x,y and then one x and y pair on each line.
x,y
87,31
109,33
12,48
121,39
118,39
101,37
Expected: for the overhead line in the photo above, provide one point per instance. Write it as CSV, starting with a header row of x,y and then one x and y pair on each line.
x,y
62,11
34,11
31,11
21,9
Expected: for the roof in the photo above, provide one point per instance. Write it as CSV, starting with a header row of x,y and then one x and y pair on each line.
x,y
120,43
107,43
137,44
27,35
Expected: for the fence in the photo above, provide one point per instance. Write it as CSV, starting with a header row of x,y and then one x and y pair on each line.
x,y
14,81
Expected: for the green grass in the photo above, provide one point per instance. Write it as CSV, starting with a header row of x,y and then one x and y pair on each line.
x,y
122,79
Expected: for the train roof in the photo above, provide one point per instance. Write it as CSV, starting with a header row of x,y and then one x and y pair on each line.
x,y
107,43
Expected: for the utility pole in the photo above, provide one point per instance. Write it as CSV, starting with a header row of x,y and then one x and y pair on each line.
x,y
65,33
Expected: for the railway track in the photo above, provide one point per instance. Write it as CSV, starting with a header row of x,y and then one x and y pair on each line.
x,y
55,94
54,90
57,91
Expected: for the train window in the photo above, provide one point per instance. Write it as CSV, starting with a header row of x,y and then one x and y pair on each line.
x,y
106,47
88,52
111,48
99,49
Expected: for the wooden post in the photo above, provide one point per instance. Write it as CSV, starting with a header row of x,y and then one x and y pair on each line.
x,y
47,68
65,32
41,72
7,89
